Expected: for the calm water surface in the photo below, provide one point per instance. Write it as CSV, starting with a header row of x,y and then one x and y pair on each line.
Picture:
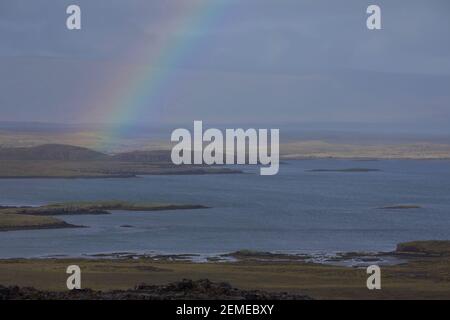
x,y
295,211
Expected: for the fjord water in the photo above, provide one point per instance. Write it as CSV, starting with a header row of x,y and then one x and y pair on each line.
x,y
294,211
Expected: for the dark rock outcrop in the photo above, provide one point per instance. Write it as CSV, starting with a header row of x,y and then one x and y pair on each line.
x,y
182,290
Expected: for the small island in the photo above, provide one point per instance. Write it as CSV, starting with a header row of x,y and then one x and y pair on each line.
x,y
15,222
30,218
345,170
401,207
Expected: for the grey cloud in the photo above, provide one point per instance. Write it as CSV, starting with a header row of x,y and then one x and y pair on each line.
x,y
310,60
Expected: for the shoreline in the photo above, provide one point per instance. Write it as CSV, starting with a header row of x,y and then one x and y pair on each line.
x,y
404,252
421,276
344,259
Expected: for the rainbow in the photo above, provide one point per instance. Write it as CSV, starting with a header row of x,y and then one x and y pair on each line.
x,y
148,78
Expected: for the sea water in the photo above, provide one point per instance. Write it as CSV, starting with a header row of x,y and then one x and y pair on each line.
x,y
296,211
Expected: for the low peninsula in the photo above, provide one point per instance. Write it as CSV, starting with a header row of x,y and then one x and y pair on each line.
x,y
42,217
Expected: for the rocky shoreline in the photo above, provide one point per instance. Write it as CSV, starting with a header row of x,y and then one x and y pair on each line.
x,y
345,259
402,253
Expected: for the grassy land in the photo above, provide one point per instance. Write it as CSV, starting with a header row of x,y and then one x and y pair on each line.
x,y
120,205
322,149
10,222
420,279
23,218
425,248
93,207
65,161
424,277
96,169
300,149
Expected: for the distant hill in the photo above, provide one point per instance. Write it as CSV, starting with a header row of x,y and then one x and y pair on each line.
x,y
51,152
62,152
143,156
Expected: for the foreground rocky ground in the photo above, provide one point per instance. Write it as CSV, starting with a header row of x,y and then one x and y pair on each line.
x,y
182,290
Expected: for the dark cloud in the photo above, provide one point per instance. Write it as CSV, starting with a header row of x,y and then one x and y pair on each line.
x,y
311,60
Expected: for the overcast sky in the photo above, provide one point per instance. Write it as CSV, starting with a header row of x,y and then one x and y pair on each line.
x,y
246,61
